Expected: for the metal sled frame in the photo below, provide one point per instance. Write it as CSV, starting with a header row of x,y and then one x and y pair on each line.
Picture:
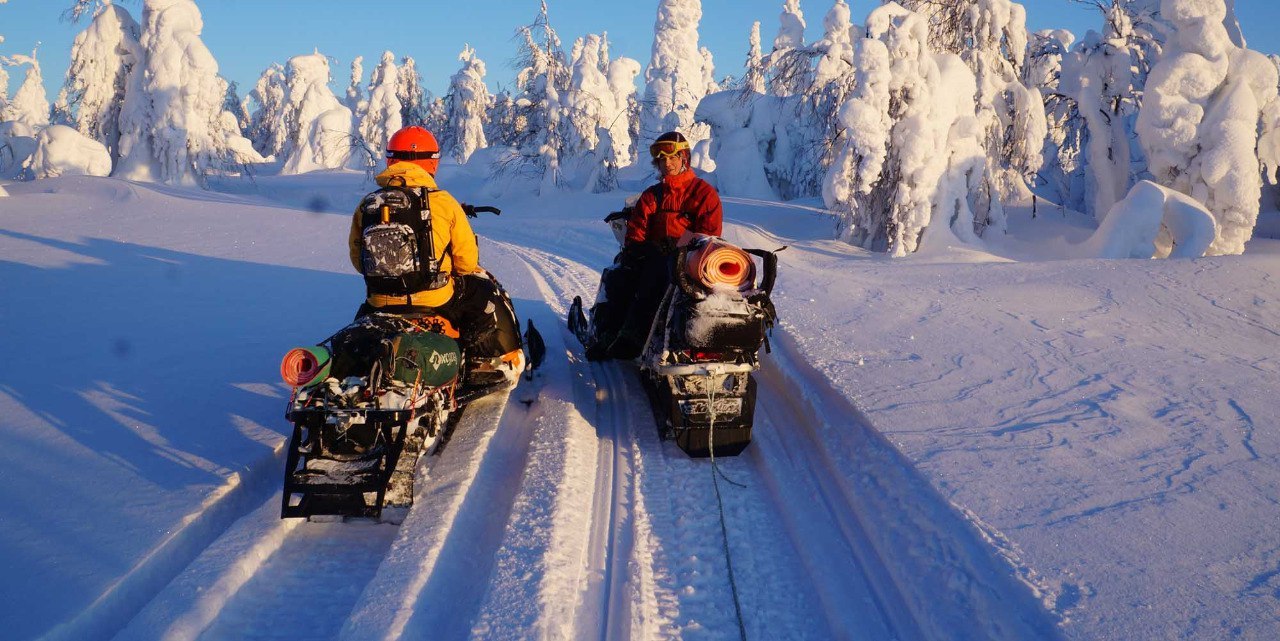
x,y
340,499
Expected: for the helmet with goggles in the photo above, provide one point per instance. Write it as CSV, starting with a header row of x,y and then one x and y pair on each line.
x,y
416,145
669,144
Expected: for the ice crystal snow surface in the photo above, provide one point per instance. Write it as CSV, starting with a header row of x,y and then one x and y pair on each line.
x,y
1100,425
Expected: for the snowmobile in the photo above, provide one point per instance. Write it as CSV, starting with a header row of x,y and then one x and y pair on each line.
x,y
704,343
368,401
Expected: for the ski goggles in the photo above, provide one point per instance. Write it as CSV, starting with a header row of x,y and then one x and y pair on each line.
x,y
413,155
667,148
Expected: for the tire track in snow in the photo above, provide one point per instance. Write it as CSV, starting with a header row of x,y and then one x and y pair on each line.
x,y
935,573
603,538
656,565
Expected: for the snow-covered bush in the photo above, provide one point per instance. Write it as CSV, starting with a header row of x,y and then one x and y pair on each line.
x,y
17,143
102,57
1131,228
913,154
467,103
319,125
679,74
173,125
63,151
1199,122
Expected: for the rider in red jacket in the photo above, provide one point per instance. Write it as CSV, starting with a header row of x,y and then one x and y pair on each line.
x,y
634,286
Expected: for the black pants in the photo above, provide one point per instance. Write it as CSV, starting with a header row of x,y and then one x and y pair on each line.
x,y
480,310
633,287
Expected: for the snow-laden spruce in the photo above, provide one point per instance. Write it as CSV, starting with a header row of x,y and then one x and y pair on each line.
x,y
679,74
319,125
381,116
355,99
267,128
991,37
174,128
413,109
29,105
102,57
538,131
467,103
788,74
1199,123
597,138
914,151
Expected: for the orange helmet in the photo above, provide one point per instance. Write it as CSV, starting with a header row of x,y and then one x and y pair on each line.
x,y
416,145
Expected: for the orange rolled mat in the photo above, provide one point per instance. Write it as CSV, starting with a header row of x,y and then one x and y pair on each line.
x,y
719,264
303,366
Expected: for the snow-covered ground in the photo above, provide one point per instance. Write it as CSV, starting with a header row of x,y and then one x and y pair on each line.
x,y
1009,444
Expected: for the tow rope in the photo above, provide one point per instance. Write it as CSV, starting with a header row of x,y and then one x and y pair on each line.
x,y
716,474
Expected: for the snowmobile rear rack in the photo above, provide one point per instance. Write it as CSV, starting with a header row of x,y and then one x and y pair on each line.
x,y
341,487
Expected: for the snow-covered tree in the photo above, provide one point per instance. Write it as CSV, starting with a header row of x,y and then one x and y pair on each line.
x,y
355,100
466,103
268,129
753,80
1200,118
912,158
623,114
1103,77
542,79
29,105
413,108
381,117
234,105
102,57
1062,171
319,126
991,37
500,123
173,125
788,73
678,74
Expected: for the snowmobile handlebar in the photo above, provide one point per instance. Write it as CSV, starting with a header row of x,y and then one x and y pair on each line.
x,y
473,210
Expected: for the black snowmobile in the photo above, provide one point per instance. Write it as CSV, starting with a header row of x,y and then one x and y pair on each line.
x,y
368,401
704,343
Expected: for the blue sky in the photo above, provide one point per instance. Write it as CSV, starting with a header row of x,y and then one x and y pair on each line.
x,y
247,35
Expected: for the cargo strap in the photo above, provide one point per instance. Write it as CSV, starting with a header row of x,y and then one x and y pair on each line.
x,y
716,474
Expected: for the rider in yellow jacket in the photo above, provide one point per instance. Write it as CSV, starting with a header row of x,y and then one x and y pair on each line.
x,y
462,293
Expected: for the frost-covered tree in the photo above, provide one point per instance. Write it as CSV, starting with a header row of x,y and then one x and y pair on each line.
x,y
319,126
753,80
788,73
466,104
173,125
268,130
1062,172
102,57
413,108
912,158
991,37
1200,118
234,105
500,123
678,74
1103,77
381,117
595,106
29,105
355,99
542,79
622,115
435,114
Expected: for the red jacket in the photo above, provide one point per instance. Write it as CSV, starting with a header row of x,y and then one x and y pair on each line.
x,y
676,204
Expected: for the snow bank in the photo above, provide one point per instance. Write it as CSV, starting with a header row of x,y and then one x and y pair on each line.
x,y
63,151
1133,226
17,143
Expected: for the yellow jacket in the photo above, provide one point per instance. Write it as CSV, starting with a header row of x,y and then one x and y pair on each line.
x,y
448,224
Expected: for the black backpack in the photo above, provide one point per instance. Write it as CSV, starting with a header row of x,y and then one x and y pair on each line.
x,y
397,249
